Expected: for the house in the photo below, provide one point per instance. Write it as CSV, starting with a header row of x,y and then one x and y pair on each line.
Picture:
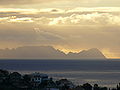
x,y
51,85
37,78
15,77
64,83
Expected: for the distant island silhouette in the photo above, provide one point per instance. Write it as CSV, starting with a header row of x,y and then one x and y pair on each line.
x,y
48,52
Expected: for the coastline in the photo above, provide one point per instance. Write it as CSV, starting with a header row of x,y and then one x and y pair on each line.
x,y
41,81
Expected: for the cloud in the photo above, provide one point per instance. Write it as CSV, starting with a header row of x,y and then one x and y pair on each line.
x,y
47,36
68,29
27,34
31,1
94,9
15,19
19,2
70,3
30,10
66,37
56,16
20,12
74,19
87,19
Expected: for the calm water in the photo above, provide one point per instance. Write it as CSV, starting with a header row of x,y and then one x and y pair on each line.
x,y
103,72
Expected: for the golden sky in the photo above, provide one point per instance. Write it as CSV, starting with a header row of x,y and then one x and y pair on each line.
x,y
69,25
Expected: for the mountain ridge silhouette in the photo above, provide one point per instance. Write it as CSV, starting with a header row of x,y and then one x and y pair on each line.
x,y
48,52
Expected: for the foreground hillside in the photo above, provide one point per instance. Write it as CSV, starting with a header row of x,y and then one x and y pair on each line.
x,y
40,81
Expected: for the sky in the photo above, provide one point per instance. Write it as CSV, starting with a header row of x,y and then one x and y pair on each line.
x,y
68,25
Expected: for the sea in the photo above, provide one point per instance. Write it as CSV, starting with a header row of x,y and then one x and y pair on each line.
x,y
102,72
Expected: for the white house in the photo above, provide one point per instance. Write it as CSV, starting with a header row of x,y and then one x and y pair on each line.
x,y
38,78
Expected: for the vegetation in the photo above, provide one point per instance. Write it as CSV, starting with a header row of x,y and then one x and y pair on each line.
x,y
16,81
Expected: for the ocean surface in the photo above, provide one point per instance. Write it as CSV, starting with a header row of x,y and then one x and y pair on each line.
x,y
102,72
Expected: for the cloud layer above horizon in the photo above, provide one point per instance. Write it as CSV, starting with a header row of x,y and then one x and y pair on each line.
x,y
69,25
64,3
